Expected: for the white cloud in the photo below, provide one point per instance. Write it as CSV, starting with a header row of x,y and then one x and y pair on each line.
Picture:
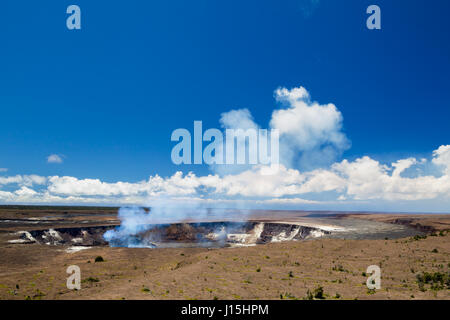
x,y
23,180
367,179
289,201
238,119
363,179
54,158
310,133
25,192
401,165
234,119
175,185
311,139
3,169
442,157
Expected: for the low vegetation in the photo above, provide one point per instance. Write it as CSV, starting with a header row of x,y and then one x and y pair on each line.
x,y
90,280
436,280
316,294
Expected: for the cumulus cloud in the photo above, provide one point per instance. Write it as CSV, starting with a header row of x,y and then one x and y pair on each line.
x,y
154,186
54,158
442,158
310,133
234,119
23,180
238,119
363,179
288,201
310,174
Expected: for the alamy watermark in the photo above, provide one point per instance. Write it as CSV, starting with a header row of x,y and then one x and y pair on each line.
x,y
74,280
374,281
250,146
73,21
374,20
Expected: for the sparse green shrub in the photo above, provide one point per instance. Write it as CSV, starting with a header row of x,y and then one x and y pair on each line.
x,y
436,280
339,268
91,280
419,237
317,293
370,291
288,295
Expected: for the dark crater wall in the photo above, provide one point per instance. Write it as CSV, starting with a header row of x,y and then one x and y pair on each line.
x,y
222,233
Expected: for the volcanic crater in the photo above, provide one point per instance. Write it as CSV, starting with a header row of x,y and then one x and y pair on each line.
x,y
205,234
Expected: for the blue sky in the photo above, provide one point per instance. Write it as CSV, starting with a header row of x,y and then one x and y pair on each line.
x,y
106,98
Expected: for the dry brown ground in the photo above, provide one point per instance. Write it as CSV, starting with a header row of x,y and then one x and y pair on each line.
x,y
260,272
424,222
263,272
